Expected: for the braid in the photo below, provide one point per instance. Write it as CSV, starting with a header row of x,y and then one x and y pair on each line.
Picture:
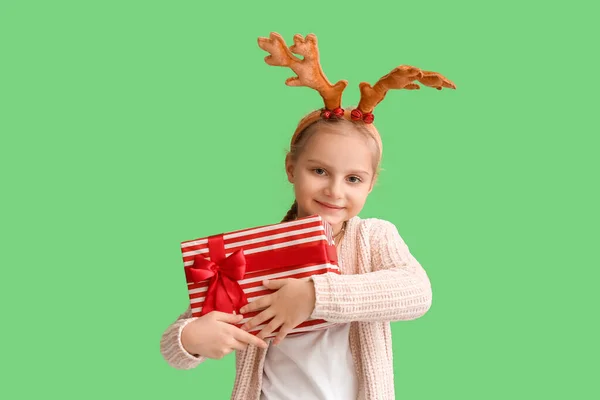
x,y
292,213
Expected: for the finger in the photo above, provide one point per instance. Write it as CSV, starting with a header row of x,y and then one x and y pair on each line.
x,y
258,304
271,326
220,353
248,338
274,284
238,345
226,317
283,332
259,319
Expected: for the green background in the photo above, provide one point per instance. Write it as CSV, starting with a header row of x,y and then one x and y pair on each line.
x,y
130,126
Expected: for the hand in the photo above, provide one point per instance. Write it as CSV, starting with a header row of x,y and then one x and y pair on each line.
x,y
291,304
213,336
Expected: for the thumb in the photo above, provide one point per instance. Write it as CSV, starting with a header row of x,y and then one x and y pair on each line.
x,y
274,284
226,317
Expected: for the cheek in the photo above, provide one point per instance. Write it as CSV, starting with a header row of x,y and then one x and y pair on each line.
x,y
307,179
359,196
304,185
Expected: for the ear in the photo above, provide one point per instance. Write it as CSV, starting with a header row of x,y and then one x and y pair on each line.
x,y
289,168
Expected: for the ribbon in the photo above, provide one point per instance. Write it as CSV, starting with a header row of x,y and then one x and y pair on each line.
x,y
291,256
224,293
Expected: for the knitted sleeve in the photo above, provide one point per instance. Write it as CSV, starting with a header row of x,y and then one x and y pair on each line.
x,y
171,348
395,288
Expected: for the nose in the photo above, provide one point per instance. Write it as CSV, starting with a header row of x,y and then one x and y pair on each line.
x,y
334,189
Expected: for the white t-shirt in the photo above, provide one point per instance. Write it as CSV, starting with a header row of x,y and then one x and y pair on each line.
x,y
314,365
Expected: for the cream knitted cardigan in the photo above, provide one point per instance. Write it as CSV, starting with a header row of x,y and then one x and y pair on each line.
x,y
381,282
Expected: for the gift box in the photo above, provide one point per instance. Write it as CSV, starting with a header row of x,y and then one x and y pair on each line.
x,y
225,271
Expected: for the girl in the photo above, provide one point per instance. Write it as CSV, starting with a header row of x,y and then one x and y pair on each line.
x,y
333,164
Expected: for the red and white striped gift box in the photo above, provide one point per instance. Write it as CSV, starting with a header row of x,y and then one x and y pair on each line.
x,y
294,249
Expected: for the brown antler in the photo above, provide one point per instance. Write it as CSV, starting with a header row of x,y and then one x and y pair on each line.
x,y
308,70
401,77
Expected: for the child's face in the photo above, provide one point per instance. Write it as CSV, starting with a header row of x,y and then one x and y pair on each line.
x,y
332,176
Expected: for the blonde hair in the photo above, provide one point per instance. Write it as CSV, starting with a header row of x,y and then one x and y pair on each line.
x,y
303,137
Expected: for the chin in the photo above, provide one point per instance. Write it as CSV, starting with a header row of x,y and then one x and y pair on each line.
x,y
333,220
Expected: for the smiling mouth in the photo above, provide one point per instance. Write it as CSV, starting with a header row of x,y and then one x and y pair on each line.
x,y
330,206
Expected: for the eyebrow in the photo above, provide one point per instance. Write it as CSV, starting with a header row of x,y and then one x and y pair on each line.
x,y
352,172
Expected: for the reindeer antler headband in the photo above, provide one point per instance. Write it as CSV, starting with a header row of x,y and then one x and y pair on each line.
x,y
310,74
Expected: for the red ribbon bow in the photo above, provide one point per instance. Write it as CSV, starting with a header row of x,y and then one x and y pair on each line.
x,y
224,293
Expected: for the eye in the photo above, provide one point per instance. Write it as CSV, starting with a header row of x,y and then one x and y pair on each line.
x,y
357,179
319,171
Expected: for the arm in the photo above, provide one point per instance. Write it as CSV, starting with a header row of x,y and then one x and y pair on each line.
x,y
171,348
398,289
